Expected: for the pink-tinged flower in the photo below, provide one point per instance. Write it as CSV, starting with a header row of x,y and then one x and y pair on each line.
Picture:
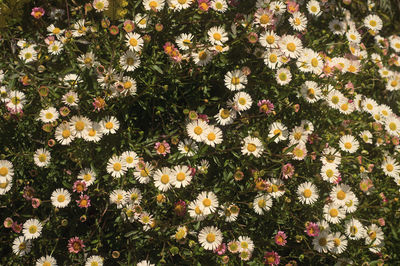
x,y
265,106
287,171
338,179
192,170
180,208
366,184
203,117
383,197
129,26
35,203
168,48
64,111
84,201
395,141
79,186
221,249
29,192
225,259
8,222
162,148
204,5
292,7
272,258
296,107
312,229
114,30
280,238
252,37
49,40
16,227
37,12
75,245
98,103
370,167
381,221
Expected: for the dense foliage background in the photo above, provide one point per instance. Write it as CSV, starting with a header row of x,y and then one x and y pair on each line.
x,y
154,109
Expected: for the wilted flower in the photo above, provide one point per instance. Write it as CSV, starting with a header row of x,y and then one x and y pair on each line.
x,y
37,12
75,245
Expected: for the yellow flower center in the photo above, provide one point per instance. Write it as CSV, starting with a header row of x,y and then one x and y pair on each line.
x,y
207,202
4,185
211,136
22,246
353,230
87,177
218,5
333,213
197,210
94,263
235,80
298,153
61,198
352,68
180,176
198,130
165,179
393,83
341,195
336,242
70,99
251,147
329,173
56,30
133,42
314,62
202,55
144,172
389,167
117,167
15,100
3,171
244,245
161,149
66,133
273,58
277,131
127,84
307,193
80,125
109,125
225,113
297,21
344,107
372,234
32,229
87,60
42,157
264,19
28,55
217,36
270,39
242,101
335,99
210,237
262,203
282,76
314,9
153,4
348,145
392,126
372,23
99,5
92,132
291,47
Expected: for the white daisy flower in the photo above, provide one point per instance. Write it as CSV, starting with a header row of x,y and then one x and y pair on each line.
x,y
32,229
348,144
242,101
225,116
283,76
208,202
80,126
235,80
354,229
197,129
116,166
277,128
252,146
21,246
213,136
162,179
60,198
290,46
134,41
110,125
323,242
217,35
210,237
118,197
143,172
87,175
184,41
129,61
42,157
181,176
339,243
94,260
187,147
307,193
262,203
333,213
